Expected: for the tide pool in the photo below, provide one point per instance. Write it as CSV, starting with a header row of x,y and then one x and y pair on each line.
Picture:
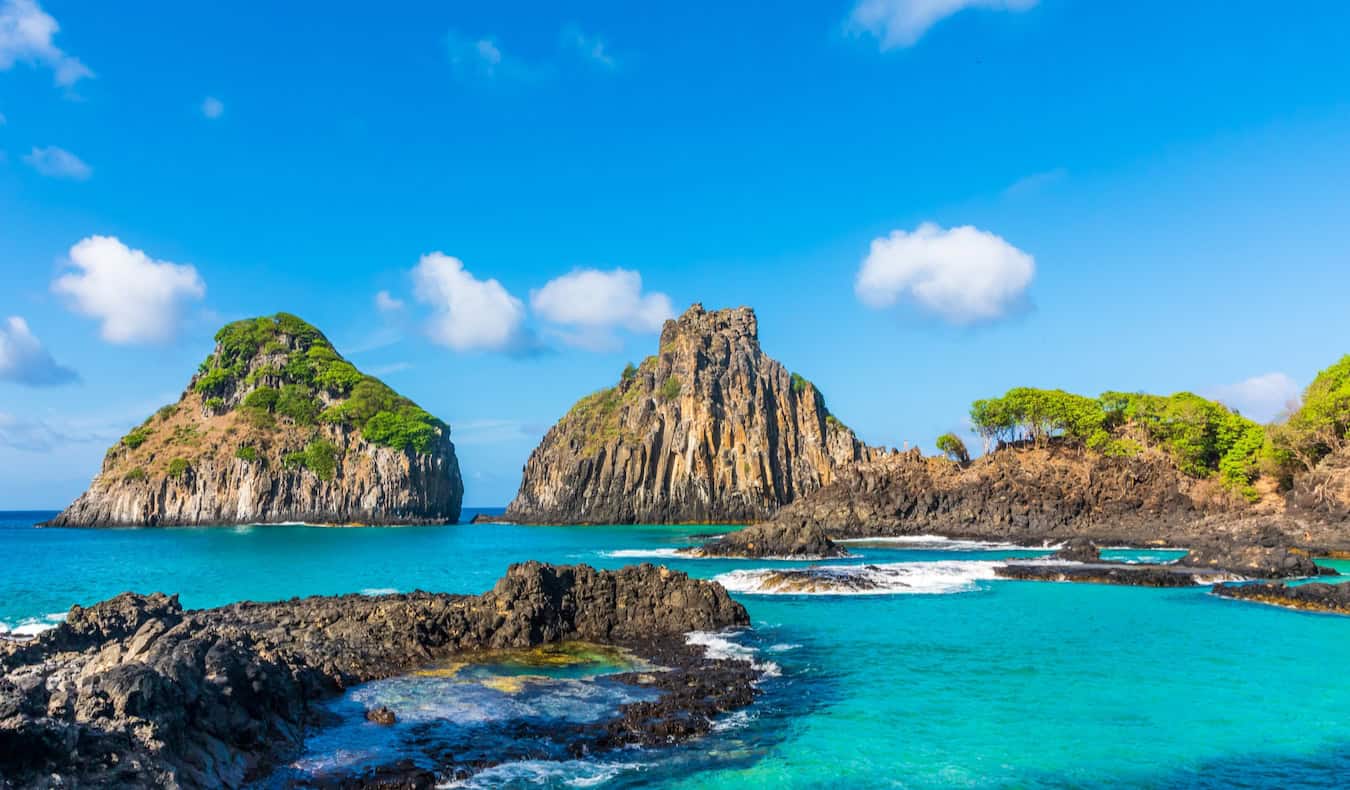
x,y
981,683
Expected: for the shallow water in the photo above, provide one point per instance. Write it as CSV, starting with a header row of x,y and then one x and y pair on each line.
x,y
987,684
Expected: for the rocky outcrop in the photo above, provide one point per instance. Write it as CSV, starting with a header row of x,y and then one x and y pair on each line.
x,y
1114,573
1324,492
1021,494
1271,555
1078,550
709,430
1314,597
277,427
771,540
136,691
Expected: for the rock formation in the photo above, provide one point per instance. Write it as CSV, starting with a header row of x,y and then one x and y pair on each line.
x,y
1314,597
709,430
1115,573
276,426
136,691
769,540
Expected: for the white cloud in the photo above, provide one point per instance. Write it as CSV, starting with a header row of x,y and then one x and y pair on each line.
x,y
901,23
964,275
387,303
136,298
599,302
212,107
589,47
1036,182
470,314
38,435
483,58
23,360
58,163
1261,398
26,33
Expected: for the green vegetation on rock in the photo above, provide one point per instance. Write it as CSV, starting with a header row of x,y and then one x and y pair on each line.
x,y
319,457
178,467
953,447
134,474
246,453
799,383
1202,436
670,389
290,370
136,438
1319,426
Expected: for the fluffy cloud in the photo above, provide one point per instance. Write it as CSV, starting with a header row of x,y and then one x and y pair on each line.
x,y
212,107
386,303
589,47
23,360
136,298
26,33
470,314
58,163
901,23
964,275
597,303
1261,398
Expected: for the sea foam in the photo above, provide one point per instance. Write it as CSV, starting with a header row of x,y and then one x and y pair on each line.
x,y
936,542
717,644
897,578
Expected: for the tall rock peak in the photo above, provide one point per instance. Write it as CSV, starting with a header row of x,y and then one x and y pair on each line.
x,y
709,430
276,426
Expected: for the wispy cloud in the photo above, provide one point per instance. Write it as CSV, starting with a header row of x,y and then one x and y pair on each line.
x,y
482,58
1036,182
34,434
901,23
27,35
58,163
1261,398
588,46
212,108
390,369
492,431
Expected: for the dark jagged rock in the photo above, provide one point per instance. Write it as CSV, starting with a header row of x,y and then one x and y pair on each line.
x,y
137,691
381,715
277,427
709,430
1313,597
1078,550
1113,573
1270,556
772,540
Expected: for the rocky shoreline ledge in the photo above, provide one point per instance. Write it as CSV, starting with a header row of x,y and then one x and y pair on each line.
x,y
1311,597
137,691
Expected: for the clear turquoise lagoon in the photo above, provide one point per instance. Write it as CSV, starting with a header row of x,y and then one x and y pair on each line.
x,y
951,679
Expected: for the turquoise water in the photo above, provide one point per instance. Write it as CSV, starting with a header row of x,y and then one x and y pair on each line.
x,y
952,680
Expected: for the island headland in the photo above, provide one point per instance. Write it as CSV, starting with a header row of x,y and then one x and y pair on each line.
x,y
137,691
275,426
710,429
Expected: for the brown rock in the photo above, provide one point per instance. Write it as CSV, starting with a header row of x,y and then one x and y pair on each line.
x,y
710,430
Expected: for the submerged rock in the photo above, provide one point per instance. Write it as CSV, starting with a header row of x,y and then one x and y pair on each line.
x,y
381,715
1313,597
138,691
772,540
709,430
277,427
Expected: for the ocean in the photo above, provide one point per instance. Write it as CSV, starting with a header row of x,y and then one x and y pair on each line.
x,y
948,678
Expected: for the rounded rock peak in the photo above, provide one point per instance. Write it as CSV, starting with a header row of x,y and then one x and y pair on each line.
x,y
732,322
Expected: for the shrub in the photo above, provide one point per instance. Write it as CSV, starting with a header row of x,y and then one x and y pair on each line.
x,y
407,428
214,403
799,383
136,438
629,372
178,467
214,381
1321,425
165,412
134,474
955,449
264,398
670,389
319,457
297,402
246,453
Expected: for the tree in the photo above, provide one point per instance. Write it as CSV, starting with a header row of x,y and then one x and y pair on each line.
x,y
955,449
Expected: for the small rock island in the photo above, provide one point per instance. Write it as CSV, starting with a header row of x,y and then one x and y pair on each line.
x,y
275,426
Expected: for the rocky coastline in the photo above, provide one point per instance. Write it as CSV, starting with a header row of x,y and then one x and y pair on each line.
x,y
138,691
767,541
1310,597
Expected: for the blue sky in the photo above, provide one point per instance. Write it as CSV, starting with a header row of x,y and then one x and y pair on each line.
x,y
926,201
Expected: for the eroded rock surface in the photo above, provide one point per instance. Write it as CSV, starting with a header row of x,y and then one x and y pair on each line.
x,y
137,691
771,540
1313,597
708,430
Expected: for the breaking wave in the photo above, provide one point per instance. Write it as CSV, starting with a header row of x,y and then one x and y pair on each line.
x,y
898,578
719,645
935,542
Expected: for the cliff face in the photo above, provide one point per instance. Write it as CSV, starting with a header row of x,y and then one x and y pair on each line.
x,y
275,427
708,430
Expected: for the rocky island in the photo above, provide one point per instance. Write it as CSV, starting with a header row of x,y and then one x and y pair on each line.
x,y
708,430
275,426
137,691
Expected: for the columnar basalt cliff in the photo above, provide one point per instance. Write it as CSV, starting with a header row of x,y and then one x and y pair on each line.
x,y
710,429
138,692
276,426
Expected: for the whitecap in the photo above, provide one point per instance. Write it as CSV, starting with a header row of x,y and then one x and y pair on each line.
x,y
649,553
718,645
897,578
733,721
379,591
937,542
783,647
570,773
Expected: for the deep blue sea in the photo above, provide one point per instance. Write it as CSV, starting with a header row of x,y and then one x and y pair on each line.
x,y
949,679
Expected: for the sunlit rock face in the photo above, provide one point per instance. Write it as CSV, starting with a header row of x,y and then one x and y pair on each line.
x,y
710,429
